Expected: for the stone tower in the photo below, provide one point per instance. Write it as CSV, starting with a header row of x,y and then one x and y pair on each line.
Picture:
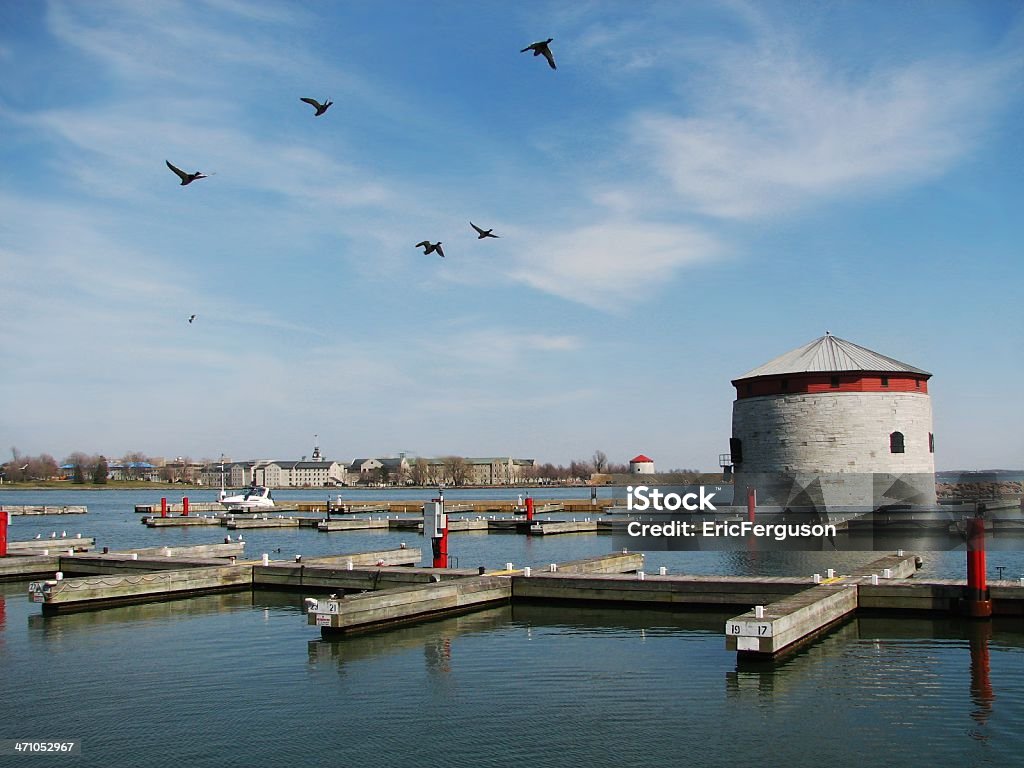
x,y
834,424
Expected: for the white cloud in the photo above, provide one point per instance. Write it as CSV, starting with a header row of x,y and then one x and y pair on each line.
x,y
611,264
779,130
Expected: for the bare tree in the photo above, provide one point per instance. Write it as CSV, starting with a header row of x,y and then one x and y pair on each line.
x,y
456,470
130,465
579,470
421,472
600,461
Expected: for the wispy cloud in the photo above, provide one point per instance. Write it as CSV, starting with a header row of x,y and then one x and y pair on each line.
x,y
612,264
780,130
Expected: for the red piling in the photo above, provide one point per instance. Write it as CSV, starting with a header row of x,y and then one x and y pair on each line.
x,y
3,533
441,550
979,605
184,506
529,509
163,507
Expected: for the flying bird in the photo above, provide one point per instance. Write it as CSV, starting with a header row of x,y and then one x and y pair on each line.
x,y
186,178
429,248
541,49
482,233
191,318
320,108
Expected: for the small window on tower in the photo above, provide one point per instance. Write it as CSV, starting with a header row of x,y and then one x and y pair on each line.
x,y
785,384
917,383
835,382
885,381
896,442
931,443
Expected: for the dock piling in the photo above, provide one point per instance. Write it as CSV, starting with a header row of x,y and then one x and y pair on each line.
x,y
979,603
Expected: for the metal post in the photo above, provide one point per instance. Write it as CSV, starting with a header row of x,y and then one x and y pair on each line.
x,y
751,503
3,534
979,605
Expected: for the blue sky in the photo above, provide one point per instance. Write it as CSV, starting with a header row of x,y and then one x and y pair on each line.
x,y
698,188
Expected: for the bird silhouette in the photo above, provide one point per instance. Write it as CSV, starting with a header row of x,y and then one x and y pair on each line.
x,y
429,248
191,318
186,178
320,108
482,233
541,49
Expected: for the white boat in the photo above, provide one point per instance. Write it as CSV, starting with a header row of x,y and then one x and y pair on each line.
x,y
256,497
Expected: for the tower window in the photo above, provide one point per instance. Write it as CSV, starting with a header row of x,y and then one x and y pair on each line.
x,y
896,442
736,450
917,383
834,383
931,442
750,388
885,381
784,384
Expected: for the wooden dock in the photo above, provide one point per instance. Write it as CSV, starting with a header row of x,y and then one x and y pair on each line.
x,y
347,524
784,625
262,522
405,605
24,567
40,509
89,592
179,521
562,526
36,546
128,578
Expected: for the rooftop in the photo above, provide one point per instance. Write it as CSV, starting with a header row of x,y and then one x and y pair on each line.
x,y
830,354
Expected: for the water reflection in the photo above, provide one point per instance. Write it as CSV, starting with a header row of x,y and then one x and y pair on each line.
x,y
982,693
771,678
433,637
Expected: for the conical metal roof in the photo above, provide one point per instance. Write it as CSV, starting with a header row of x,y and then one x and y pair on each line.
x,y
830,354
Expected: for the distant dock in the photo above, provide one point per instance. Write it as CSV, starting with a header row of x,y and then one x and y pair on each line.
x,y
41,509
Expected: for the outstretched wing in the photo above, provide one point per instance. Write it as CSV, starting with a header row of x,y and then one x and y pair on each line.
x,y
478,230
312,102
549,56
424,244
438,249
181,174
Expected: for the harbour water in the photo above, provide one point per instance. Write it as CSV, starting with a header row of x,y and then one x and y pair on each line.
x,y
242,680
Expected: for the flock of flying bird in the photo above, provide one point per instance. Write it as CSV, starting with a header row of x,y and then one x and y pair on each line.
x,y
540,48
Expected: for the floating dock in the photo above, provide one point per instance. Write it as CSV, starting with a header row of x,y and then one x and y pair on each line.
x,y
405,605
36,546
261,522
358,524
782,626
88,592
37,509
549,528
129,578
179,521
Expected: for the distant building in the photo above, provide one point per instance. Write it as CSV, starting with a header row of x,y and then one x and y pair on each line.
x,y
641,465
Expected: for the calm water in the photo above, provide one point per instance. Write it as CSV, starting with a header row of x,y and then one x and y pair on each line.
x,y
242,680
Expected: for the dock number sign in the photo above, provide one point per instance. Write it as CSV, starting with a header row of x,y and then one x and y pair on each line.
x,y
748,629
35,591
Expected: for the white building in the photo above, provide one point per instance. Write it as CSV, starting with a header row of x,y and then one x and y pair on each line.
x,y
641,465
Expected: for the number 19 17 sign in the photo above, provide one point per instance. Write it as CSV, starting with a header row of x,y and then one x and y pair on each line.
x,y
748,629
